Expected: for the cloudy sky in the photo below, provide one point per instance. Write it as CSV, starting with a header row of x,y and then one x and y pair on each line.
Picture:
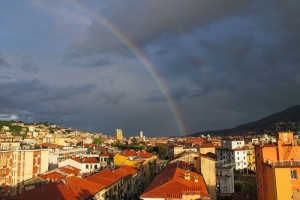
x,y
169,67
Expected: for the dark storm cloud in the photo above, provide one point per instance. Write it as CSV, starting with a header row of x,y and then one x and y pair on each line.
x,y
38,100
75,59
28,65
144,21
3,62
223,62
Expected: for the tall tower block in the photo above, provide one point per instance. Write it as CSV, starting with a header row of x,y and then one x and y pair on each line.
x,y
119,135
141,134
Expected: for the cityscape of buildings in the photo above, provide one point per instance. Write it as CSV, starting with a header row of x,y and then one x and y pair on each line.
x,y
58,163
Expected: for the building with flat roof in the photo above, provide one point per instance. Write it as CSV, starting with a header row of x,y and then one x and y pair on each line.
x,y
277,168
17,166
119,134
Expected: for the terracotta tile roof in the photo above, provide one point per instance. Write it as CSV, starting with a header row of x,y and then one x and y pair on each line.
x,y
172,184
70,170
207,145
89,145
87,159
143,154
146,154
90,160
195,140
53,176
75,188
108,177
128,153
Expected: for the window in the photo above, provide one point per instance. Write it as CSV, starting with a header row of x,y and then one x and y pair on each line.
x,y
96,166
86,166
293,174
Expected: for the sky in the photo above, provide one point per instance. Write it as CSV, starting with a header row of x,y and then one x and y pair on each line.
x,y
167,68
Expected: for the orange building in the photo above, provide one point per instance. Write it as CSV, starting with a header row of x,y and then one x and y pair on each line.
x,y
277,168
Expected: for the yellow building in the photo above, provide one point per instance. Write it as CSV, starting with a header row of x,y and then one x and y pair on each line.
x,y
277,168
60,141
250,157
119,135
141,160
123,160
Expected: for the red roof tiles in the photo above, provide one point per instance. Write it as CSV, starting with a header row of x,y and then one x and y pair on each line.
x,y
143,154
72,188
195,140
172,184
108,177
70,170
86,159
53,176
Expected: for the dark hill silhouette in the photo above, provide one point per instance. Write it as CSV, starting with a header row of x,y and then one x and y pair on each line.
x,y
288,119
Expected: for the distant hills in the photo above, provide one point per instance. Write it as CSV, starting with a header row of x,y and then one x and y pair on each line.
x,y
288,119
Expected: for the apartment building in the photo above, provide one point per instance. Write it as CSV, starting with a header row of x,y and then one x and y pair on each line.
x,y
278,168
191,158
86,164
225,181
17,166
142,160
174,150
232,151
208,170
119,134
250,157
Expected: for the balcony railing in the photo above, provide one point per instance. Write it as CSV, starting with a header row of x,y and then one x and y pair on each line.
x,y
283,163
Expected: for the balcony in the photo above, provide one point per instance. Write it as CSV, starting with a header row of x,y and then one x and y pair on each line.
x,y
284,163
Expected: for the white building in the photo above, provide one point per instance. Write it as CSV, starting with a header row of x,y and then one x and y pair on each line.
x,y
232,152
225,181
85,164
232,144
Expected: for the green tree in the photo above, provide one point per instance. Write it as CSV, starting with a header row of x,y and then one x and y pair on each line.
x,y
97,141
134,141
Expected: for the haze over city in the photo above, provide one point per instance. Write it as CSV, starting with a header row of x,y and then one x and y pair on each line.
x,y
164,67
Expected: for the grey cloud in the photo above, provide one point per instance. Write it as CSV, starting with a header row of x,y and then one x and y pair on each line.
x,y
145,21
75,59
28,65
42,101
3,62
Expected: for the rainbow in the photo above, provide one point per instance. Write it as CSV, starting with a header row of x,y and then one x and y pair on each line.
x,y
140,55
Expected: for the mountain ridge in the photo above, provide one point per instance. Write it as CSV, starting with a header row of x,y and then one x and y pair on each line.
x,y
288,119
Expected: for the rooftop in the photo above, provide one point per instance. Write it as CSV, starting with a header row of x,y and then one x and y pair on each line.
x,y
172,183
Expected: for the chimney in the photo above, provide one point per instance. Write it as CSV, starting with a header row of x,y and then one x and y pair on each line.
x,y
187,175
196,179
